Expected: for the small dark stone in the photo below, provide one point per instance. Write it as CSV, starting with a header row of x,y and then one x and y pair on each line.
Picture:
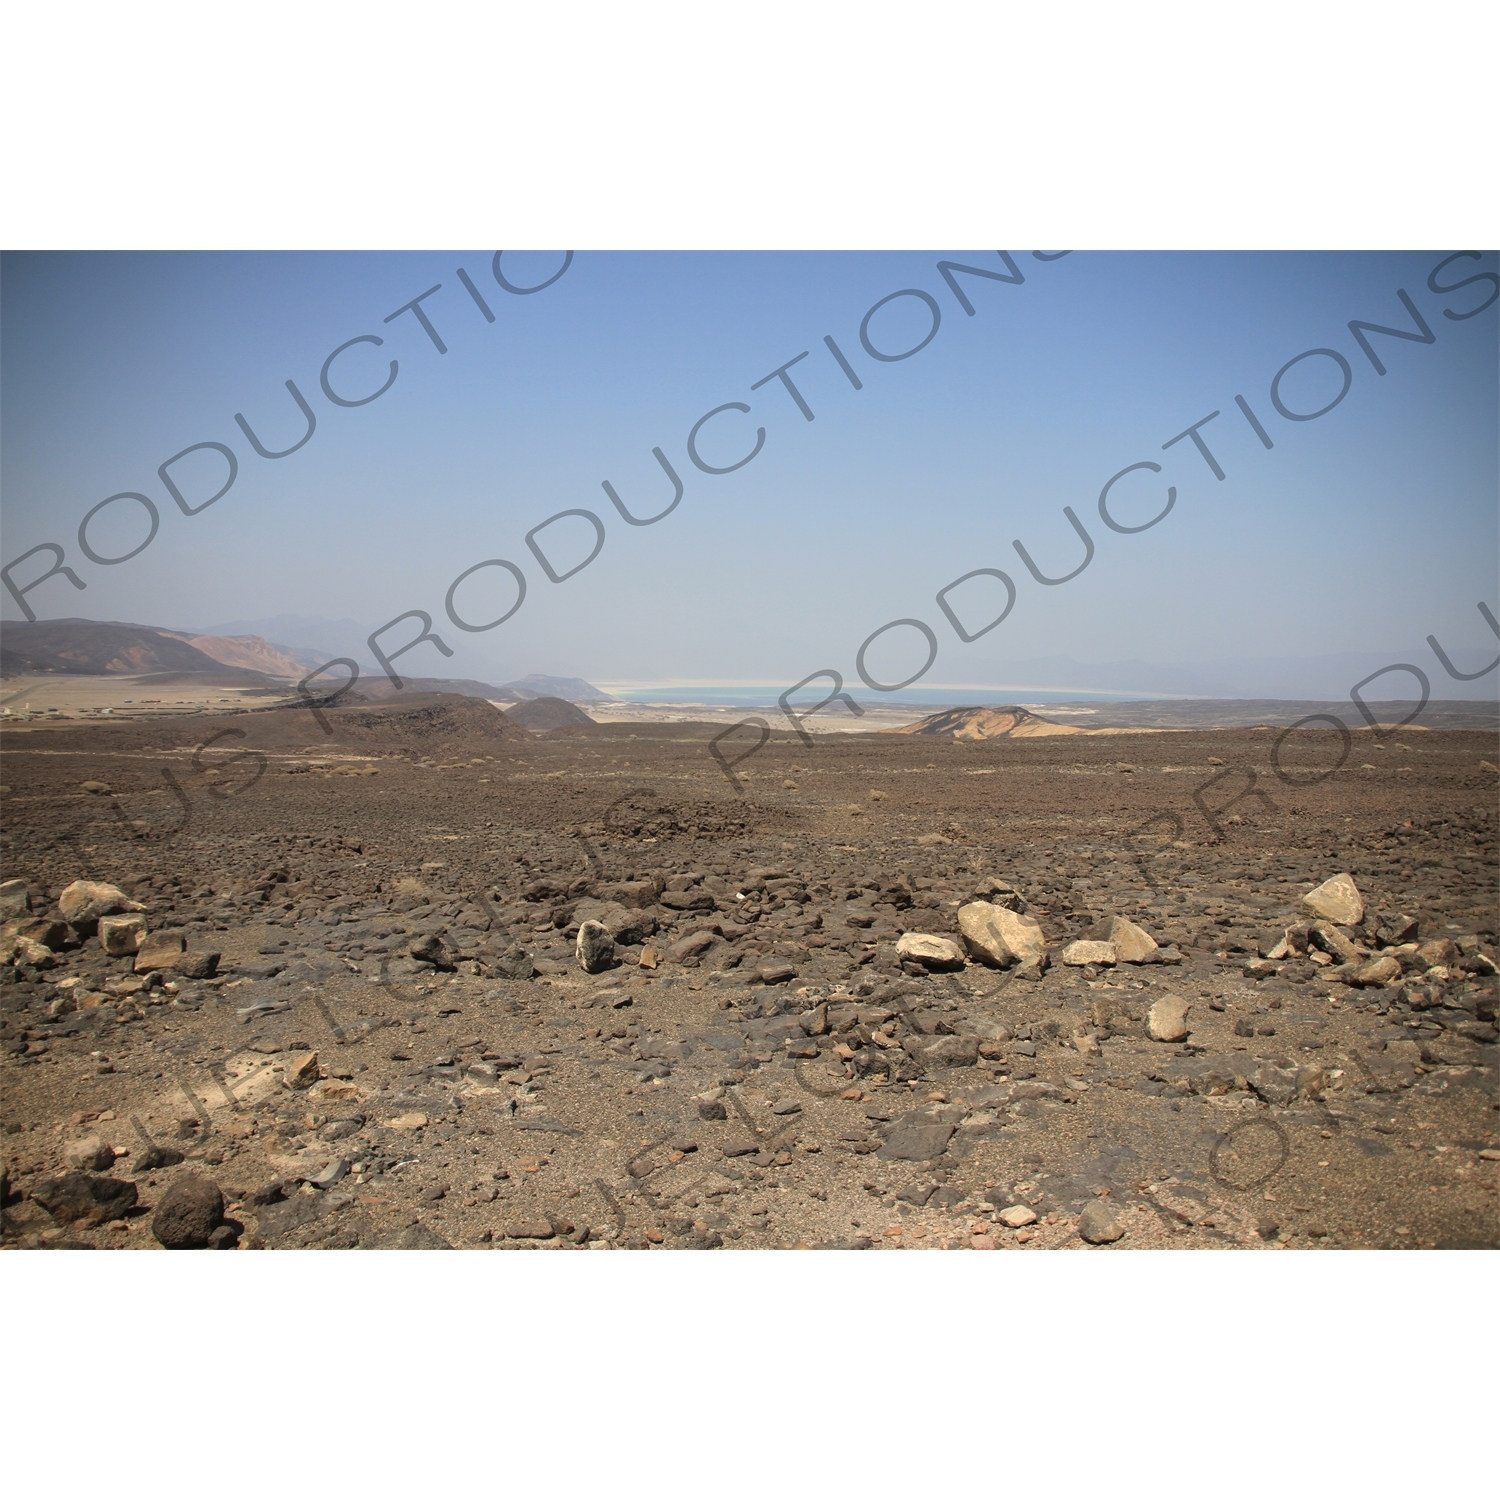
x,y
917,1142
188,1214
197,965
434,950
712,1109
514,964
154,1158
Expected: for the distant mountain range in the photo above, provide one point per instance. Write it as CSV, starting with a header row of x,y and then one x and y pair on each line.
x,y
310,642
100,648
111,648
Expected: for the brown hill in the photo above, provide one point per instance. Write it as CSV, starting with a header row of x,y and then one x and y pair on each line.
x,y
1010,722
97,648
250,652
542,714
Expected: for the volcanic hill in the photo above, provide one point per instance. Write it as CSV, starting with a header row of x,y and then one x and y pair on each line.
x,y
1008,722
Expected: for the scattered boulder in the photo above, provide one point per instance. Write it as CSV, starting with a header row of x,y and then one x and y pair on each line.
x,y
1379,971
1000,893
432,948
157,950
1275,944
1327,937
514,963
89,1155
1166,1021
121,936
153,1158
1098,1226
23,950
691,946
917,1141
1132,944
930,951
942,1051
1085,951
690,900
595,948
14,899
85,1200
197,965
85,901
1394,928
189,1212
999,937
529,1229
1337,900
46,931
301,1070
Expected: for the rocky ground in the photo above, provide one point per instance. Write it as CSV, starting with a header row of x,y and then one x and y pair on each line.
x,y
398,1046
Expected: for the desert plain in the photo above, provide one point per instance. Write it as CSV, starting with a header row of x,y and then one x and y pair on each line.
x,y
407,974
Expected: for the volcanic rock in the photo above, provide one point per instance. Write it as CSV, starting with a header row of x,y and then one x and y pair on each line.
x,y
158,950
78,1198
189,1212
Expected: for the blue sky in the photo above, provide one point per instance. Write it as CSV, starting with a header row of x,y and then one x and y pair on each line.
x,y
1360,532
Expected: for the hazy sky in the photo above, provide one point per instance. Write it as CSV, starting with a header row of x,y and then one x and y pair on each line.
x,y
1364,529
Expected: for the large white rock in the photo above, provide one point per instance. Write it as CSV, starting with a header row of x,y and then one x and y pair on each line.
x,y
1000,937
87,900
1132,944
1167,1019
1338,900
1076,955
933,951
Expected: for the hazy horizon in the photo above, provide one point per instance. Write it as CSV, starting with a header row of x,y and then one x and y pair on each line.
x,y
1344,545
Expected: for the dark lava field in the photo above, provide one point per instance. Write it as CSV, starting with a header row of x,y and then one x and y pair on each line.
x,y
366,1022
